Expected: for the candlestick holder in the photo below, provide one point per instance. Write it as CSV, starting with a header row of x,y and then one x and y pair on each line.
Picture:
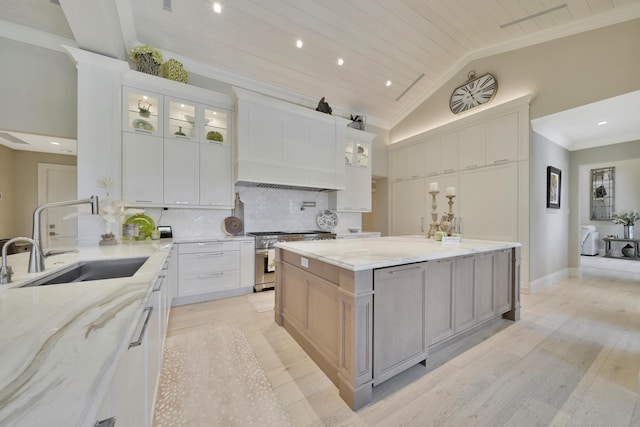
x,y
450,214
434,216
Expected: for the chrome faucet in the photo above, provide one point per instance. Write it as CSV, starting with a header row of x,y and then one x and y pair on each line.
x,y
6,271
36,257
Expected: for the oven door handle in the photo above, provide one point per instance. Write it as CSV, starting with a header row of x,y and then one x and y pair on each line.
x,y
262,251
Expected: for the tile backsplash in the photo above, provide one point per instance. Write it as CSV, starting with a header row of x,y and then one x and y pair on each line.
x,y
265,209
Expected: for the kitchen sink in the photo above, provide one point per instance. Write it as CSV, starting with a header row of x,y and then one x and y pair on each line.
x,y
85,271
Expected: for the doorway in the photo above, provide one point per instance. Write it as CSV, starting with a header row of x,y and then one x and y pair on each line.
x,y
57,183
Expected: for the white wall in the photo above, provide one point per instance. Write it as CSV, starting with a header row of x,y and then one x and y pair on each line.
x,y
626,193
38,88
549,228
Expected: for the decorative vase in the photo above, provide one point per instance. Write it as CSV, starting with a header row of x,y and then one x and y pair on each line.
x,y
146,64
627,251
628,231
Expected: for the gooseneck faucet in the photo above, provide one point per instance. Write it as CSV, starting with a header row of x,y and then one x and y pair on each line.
x,y
6,271
36,257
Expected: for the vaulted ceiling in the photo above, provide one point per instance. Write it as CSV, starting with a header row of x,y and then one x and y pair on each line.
x,y
417,45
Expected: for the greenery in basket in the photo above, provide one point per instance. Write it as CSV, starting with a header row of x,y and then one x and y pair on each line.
x,y
135,52
627,218
355,118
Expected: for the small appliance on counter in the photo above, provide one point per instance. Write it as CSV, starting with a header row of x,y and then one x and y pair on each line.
x,y
165,231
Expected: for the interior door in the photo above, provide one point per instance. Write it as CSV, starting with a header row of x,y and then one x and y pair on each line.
x,y
57,183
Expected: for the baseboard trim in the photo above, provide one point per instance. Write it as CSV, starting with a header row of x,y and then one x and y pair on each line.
x,y
548,281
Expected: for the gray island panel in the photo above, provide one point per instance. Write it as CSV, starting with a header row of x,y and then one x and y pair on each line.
x,y
424,293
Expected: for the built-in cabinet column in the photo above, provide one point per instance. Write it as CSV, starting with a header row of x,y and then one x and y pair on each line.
x,y
176,152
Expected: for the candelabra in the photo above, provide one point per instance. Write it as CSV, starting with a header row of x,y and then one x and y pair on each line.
x,y
450,215
434,215
447,218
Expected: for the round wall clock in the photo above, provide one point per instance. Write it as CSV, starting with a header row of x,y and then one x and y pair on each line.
x,y
475,92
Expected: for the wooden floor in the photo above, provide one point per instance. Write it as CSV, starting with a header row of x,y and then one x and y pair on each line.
x,y
572,360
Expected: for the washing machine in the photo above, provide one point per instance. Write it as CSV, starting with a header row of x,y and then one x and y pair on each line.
x,y
589,237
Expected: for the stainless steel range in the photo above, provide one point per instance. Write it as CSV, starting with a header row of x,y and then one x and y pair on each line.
x,y
265,252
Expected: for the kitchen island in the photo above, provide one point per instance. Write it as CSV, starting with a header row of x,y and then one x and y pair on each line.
x,y
367,309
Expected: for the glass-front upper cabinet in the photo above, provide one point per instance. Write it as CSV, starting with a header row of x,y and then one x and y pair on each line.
x,y
362,155
182,119
142,111
356,154
348,153
215,126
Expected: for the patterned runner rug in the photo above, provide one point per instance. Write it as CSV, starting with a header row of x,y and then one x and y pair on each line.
x,y
211,377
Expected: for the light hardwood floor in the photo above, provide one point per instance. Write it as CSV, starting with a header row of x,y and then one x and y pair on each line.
x,y
572,360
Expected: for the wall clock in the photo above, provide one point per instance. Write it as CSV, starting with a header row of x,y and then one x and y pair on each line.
x,y
475,92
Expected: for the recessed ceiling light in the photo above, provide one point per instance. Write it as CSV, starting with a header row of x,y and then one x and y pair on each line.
x,y
55,143
299,44
340,61
217,7
602,123
388,83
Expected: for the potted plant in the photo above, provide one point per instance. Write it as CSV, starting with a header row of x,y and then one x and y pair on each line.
x,y
357,122
147,58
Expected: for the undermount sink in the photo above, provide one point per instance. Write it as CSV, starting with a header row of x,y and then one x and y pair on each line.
x,y
85,271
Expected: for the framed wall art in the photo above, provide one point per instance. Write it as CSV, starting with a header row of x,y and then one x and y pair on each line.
x,y
554,185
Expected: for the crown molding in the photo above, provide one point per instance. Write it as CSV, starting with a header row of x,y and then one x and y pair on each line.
x,y
20,33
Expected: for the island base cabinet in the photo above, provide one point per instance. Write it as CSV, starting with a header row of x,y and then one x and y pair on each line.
x,y
439,303
502,272
399,323
464,293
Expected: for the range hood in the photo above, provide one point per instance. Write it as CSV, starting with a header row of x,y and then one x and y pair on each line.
x,y
282,186
286,146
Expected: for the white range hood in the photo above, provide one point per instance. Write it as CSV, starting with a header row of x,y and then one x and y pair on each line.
x,y
282,145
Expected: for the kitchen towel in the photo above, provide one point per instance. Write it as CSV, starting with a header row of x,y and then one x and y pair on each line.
x,y
271,260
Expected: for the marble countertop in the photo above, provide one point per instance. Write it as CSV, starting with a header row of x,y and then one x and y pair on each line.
x,y
378,252
60,344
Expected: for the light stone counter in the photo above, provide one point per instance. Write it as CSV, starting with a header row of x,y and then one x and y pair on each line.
x,y
60,344
371,253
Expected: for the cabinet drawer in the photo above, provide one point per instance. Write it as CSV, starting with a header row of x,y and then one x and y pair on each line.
x,y
211,246
213,281
208,261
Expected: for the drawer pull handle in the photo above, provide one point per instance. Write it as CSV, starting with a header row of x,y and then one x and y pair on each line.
x,y
471,166
136,343
211,244
218,274
161,280
143,201
211,254
448,170
404,269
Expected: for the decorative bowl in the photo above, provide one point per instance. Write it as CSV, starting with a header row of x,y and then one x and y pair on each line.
x,y
627,251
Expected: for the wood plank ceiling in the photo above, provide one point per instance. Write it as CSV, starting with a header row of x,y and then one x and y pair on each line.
x,y
415,44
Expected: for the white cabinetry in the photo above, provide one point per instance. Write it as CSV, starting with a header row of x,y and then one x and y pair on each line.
x,y
284,144
441,155
176,152
471,143
408,163
356,197
215,269
142,169
488,203
408,207
181,173
502,139
131,395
